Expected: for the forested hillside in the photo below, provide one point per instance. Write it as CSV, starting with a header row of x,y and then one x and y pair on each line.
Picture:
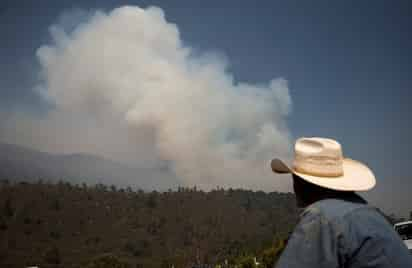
x,y
64,225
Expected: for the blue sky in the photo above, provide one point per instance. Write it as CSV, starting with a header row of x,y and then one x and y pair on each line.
x,y
348,65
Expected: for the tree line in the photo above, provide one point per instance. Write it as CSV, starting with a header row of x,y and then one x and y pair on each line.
x,y
66,225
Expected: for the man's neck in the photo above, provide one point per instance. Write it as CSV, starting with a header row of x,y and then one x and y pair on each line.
x,y
347,196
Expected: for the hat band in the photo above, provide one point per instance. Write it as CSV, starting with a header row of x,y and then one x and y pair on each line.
x,y
320,166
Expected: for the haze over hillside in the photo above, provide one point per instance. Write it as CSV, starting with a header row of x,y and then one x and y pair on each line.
x,y
19,163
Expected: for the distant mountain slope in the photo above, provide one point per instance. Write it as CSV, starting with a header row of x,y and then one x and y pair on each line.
x,y
19,163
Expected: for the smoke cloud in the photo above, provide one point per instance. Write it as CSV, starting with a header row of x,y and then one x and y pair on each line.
x,y
123,84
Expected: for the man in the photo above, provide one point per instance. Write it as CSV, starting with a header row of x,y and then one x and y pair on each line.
x,y
337,227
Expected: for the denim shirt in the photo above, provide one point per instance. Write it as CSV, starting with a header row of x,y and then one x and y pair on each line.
x,y
344,233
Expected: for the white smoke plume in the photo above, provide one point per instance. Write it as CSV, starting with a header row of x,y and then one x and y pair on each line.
x,y
124,85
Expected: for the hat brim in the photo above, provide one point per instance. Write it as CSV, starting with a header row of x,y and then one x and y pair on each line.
x,y
357,176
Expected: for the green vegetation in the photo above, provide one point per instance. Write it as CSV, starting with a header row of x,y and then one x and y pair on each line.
x,y
51,257
106,261
63,225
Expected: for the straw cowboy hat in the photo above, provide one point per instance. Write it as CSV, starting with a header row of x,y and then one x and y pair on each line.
x,y
320,161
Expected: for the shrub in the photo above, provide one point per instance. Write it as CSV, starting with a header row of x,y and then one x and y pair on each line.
x,y
8,210
246,262
272,254
133,248
55,235
52,256
106,261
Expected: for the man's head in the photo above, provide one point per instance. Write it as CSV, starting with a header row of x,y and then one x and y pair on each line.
x,y
308,193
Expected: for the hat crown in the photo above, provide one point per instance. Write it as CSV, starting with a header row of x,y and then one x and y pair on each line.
x,y
319,157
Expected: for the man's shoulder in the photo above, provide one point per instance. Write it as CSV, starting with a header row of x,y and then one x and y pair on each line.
x,y
336,209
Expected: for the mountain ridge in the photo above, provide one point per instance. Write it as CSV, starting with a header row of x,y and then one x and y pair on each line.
x,y
20,163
